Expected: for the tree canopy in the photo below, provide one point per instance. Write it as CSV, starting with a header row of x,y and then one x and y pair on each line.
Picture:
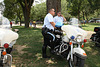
x,y
82,9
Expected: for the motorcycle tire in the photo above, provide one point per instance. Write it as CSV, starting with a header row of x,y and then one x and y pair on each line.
x,y
9,50
97,45
8,63
78,62
1,64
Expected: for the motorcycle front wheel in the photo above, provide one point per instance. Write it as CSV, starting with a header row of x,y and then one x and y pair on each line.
x,y
78,62
8,62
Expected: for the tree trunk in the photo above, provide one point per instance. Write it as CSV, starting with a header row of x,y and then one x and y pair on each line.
x,y
26,17
56,4
26,6
83,15
20,22
78,14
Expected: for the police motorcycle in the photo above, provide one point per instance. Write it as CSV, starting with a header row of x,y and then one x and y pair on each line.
x,y
7,40
96,36
68,42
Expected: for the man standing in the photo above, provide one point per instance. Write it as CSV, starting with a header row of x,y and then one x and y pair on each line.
x,y
10,24
47,31
59,18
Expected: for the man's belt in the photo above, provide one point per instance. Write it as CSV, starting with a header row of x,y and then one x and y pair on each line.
x,y
47,29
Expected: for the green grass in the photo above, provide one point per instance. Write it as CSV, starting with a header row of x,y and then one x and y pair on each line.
x,y
90,26
33,40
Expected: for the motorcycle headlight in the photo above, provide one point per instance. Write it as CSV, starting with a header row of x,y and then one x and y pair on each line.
x,y
79,39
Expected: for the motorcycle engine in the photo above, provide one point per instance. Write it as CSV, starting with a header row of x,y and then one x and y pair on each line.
x,y
64,46
61,48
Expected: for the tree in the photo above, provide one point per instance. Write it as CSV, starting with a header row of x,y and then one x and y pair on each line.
x,y
64,9
12,10
26,7
83,8
56,4
1,6
38,12
9,11
76,7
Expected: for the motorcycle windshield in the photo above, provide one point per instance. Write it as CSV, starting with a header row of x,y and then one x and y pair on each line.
x,y
59,24
4,22
74,22
73,31
7,36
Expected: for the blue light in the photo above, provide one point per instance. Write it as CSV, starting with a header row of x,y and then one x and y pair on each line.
x,y
72,37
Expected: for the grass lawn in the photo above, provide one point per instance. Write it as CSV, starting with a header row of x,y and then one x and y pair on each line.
x,y
31,41
90,26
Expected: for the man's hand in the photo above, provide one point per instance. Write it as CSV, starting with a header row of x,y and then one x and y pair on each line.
x,y
53,24
63,18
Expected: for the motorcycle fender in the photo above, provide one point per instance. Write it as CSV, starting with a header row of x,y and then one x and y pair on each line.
x,y
79,52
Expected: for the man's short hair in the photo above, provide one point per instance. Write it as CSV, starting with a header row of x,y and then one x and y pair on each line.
x,y
51,9
58,12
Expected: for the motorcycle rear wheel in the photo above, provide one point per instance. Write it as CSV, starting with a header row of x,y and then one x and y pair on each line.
x,y
97,45
78,62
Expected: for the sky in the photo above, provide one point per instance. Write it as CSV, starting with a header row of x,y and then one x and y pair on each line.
x,y
1,0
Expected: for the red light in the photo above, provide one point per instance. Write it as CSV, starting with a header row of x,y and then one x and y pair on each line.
x,y
85,40
95,29
6,45
82,46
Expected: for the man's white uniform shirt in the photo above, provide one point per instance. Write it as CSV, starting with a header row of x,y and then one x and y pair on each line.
x,y
47,20
58,19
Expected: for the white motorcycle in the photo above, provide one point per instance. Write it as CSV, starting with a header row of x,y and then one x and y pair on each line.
x,y
7,40
68,42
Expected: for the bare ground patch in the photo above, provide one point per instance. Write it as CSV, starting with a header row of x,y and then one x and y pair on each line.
x,y
19,48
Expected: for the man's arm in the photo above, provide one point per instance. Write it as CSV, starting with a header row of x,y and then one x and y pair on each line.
x,y
53,24
63,18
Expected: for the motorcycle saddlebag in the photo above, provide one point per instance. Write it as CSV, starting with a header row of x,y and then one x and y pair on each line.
x,y
96,29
